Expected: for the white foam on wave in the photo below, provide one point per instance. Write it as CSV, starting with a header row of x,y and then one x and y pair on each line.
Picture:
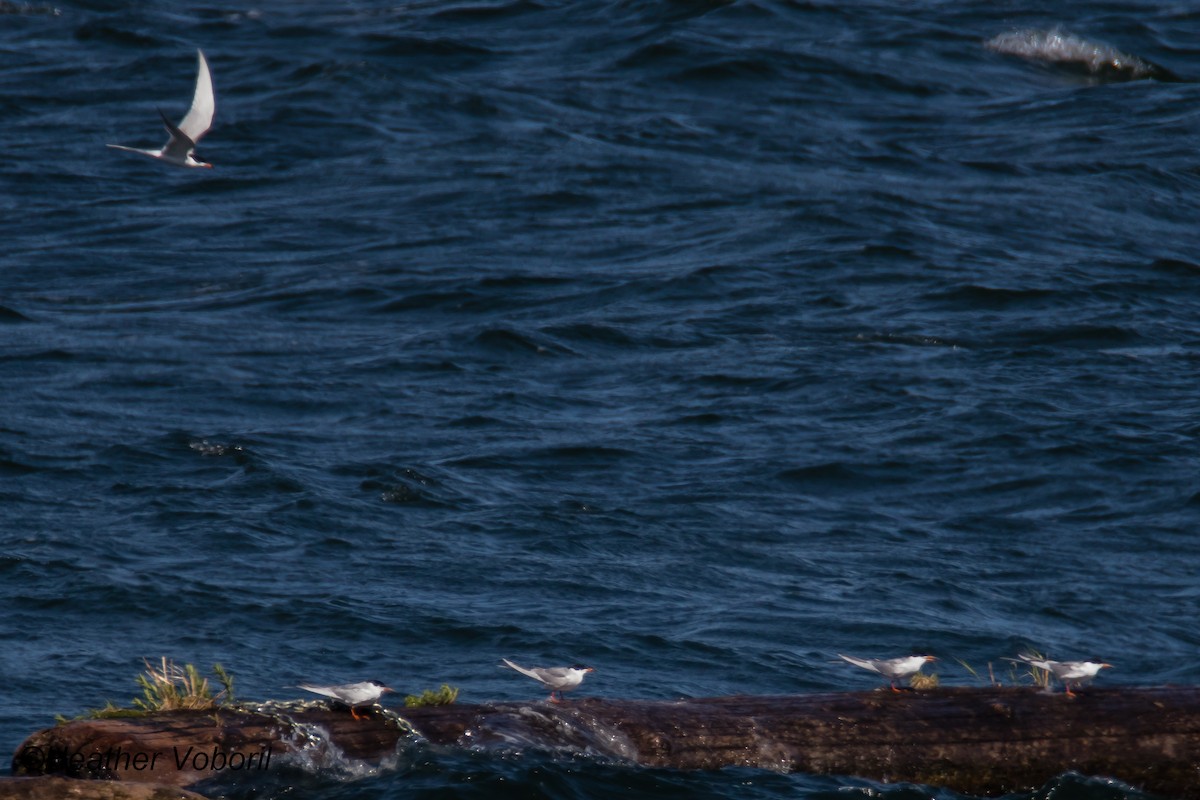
x,y
309,747
565,730
1059,47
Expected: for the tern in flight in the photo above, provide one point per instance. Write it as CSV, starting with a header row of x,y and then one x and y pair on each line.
x,y
180,148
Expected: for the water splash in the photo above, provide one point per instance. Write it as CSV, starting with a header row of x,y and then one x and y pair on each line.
x,y
207,448
1060,48
561,730
310,748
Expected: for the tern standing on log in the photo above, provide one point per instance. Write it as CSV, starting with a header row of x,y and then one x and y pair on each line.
x,y
556,679
352,694
180,149
891,668
1077,673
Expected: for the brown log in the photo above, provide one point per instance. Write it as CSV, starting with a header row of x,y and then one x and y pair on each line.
x,y
974,741
48,787
184,747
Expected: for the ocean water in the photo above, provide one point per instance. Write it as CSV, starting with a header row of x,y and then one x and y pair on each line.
x,y
694,341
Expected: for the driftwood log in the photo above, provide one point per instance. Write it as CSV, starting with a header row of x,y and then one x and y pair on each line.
x,y
970,740
49,787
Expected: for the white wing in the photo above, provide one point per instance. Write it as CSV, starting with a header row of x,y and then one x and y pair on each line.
x,y
204,105
865,663
1045,664
328,691
531,673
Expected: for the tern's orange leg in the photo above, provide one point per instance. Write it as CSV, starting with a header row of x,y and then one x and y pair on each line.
x,y
353,714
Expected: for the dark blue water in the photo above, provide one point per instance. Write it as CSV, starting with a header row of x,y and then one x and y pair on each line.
x,y
695,341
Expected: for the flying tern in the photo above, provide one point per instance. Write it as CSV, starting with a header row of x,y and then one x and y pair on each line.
x,y
556,679
891,668
1069,673
352,694
180,149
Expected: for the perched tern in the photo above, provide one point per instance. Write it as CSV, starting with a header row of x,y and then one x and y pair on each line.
x,y
891,668
1077,673
352,694
180,148
557,679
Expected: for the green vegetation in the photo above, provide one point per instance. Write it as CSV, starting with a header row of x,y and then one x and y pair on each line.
x,y
991,676
442,697
1040,677
167,687
108,712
